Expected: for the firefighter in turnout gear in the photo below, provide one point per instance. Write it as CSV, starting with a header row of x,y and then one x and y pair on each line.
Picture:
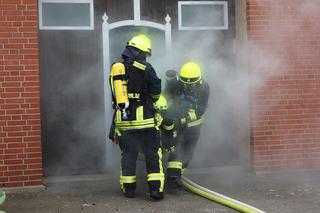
x,y
134,118
166,125
189,93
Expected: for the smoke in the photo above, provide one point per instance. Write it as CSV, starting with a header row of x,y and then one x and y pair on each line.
x,y
226,121
265,91
232,87
215,55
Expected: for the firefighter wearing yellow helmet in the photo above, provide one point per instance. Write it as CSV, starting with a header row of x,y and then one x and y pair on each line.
x,y
142,43
166,125
135,88
190,94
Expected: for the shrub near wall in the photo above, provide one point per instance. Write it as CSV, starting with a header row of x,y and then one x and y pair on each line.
x,y
20,141
284,42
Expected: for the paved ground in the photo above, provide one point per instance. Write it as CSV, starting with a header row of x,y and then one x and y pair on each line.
x,y
274,193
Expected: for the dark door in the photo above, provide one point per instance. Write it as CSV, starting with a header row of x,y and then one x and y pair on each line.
x,y
72,87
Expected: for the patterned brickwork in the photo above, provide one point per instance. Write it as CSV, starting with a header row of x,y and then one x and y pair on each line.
x,y
20,132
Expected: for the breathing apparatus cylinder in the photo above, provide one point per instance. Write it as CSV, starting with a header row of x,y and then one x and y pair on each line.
x,y
120,87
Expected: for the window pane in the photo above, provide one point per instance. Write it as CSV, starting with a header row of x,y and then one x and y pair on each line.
x,y
66,14
207,15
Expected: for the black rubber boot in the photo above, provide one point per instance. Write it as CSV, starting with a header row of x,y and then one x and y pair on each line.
x,y
172,185
129,193
128,189
155,195
173,182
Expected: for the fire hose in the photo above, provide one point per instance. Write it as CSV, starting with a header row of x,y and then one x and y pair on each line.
x,y
219,198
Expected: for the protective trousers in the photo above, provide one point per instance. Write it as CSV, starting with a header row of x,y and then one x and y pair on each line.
x,y
183,153
147,141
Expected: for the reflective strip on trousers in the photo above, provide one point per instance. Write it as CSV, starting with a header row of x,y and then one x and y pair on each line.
x,y
161,169
160,160
174,165
158,176
127,179
155,176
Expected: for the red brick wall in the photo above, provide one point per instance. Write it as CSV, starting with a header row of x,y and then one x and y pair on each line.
x,y
20,142
284,46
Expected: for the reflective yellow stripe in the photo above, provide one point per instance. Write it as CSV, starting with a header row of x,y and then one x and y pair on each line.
x,y
139,65
155,176
175,164
168,127
139,123
195,123
127,179
161,170
137,127
121,184
117,131
139,113
183,170
118,116
111,84
174,135
135,122
160,160
158,119
192,114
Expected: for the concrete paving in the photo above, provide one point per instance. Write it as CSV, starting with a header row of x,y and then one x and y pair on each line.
x,y
294,192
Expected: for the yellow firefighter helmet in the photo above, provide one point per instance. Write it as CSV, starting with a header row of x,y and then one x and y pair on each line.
x,y
190,73
141,42
162,104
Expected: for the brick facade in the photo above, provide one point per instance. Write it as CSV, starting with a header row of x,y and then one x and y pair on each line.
x,y
20,141
284,46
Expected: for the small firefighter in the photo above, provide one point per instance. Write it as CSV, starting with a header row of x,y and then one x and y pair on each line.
x,y
166,125
135,88
189,93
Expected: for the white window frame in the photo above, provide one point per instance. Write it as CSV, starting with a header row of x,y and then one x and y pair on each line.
x,y
91,27
225,17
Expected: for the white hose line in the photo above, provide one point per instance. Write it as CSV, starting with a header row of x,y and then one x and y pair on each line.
x,y
219,198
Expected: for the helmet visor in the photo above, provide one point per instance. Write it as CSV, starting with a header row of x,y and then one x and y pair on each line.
x,y
190,80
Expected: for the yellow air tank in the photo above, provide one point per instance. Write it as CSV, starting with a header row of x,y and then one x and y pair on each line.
x,y
119,89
